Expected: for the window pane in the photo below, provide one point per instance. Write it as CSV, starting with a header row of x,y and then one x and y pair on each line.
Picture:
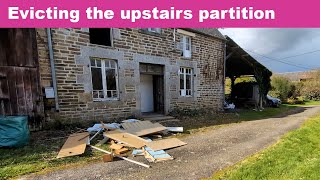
x,y
113,64
181,81
93,62
95,94
96,79
111,79
109,94
98,63
114,94
188,43
188,81
101,95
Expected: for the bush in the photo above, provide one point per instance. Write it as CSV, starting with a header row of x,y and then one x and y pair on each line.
x,y
281,88
311,88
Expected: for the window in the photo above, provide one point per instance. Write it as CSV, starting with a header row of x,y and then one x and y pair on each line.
x,y
100,36
155,30
185,81
104,79
186,46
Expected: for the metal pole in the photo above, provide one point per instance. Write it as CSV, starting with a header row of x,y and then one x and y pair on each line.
x,y
53,72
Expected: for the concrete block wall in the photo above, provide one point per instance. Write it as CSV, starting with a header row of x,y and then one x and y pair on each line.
x,y
72,50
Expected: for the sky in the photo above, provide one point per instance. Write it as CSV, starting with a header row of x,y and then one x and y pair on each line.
x,y
269,46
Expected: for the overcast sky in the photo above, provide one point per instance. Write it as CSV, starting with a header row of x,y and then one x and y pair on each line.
x,y
276,44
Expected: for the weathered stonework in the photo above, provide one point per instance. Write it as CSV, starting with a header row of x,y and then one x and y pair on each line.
x,y
72,52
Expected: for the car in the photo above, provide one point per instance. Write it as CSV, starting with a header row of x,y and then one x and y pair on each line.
x,y
273,102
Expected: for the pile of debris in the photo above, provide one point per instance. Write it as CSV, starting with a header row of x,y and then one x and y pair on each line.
x,y
130,136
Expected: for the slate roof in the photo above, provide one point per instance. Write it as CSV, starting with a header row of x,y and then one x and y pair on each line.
x,y
209,31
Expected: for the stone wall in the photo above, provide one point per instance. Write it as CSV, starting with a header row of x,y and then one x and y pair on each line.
x,y
72,50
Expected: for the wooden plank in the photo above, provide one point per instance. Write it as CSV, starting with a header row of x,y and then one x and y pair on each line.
x,y
126,138
142,128
28,91
165,144
120,151
116,146
4,44
22,109
36,91
11,76
4,90
73,146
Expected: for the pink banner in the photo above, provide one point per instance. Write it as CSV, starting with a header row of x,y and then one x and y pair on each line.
x,y
159,13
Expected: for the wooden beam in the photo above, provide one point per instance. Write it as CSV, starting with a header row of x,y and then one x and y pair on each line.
x,y
229,55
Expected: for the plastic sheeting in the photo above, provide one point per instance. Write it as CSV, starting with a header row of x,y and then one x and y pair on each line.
x,y
14,131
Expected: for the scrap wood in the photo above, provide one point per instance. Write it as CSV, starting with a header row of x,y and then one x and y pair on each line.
x,y
116,146
165,144
142,128
120,151
73,146
156,156
107,157
126,138
130,160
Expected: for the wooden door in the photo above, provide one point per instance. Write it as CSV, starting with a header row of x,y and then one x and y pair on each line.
x,y
20,92
158,93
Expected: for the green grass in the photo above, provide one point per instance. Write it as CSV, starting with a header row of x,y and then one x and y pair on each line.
x,y
266,113
295,156
40,156
311,103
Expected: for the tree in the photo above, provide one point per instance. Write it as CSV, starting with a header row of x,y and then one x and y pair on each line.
x,y
281,87
311,88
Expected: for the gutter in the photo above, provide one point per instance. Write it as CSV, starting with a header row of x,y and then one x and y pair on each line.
x,y
53,72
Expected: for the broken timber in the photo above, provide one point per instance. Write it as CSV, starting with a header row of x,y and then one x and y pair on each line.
x,y
75,145
126,138
165,144
142,128
130,160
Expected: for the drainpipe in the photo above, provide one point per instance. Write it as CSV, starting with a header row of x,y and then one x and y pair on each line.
x,y
224,72
53,72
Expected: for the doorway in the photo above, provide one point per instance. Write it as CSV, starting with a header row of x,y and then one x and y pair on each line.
x,y
146,89
152,88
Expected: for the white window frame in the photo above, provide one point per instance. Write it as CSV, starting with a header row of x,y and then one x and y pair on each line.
x,y
186,92
186,46
154,30
104,81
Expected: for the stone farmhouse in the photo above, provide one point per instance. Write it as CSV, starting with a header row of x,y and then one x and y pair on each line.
x,y
107,73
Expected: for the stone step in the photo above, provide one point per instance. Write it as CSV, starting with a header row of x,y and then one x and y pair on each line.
x,y
158,118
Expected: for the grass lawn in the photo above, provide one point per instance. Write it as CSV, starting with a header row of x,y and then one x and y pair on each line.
x,y
295,156
40,155
309,103
266,113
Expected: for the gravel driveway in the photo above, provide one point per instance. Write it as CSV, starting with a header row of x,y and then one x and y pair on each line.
x,y
206,152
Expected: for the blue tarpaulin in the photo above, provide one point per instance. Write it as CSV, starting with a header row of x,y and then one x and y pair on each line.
x,y
14,131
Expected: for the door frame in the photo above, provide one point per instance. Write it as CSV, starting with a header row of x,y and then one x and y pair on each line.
x,y
145,69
